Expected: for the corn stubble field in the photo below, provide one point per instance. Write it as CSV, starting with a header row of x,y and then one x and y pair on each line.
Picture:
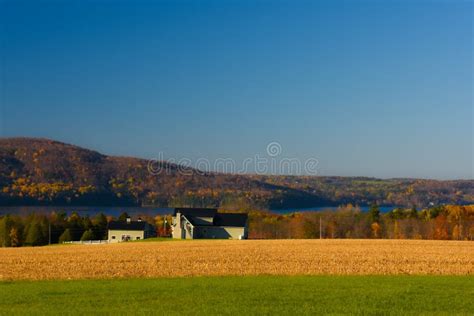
x,y
246,257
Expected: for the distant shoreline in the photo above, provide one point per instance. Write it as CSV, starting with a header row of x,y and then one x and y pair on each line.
x,y
136,211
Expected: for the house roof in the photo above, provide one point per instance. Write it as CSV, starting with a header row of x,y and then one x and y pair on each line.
x,y
119,225
197,212
219,219
195,222
230,219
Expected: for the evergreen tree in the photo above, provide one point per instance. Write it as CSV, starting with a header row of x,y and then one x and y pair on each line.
x,y
88,235
75,224
436,211
374,212
396,213
65,236
86,223
100,226
413,212
6,224
123,217
44,226
34,235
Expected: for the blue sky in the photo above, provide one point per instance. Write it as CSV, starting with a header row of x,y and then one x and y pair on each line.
x,y
370,88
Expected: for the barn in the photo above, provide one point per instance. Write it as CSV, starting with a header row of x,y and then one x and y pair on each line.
x,y
208,223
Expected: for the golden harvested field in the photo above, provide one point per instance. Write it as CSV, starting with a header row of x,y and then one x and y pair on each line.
x,y
238,257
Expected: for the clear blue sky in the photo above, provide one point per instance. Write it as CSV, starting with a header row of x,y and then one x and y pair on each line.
x,y
372,88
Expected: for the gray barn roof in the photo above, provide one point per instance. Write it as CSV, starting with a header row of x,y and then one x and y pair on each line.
x,y
118,225
230,219
219,219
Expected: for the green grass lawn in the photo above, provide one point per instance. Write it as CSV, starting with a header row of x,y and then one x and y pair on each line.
x,y
259,295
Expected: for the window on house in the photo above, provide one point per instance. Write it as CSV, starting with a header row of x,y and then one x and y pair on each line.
x,y
113,237
138,238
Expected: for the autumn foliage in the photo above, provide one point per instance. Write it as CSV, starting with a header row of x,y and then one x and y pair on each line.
x,y
46,172
450,222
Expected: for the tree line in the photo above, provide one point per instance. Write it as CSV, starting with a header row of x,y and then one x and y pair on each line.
x,y
450,222
57,227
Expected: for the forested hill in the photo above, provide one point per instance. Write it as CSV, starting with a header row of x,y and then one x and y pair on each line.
x,y
46,172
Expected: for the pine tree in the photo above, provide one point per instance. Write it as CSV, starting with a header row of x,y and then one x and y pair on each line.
x,y
100,225
86,223
75,223
413,212
374,213
123,217
6,224
88,235
65,236
34,236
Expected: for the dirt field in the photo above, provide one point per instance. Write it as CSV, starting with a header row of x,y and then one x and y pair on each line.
x,y
246,257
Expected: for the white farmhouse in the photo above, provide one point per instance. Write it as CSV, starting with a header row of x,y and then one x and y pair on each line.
x,y
119,231
207,223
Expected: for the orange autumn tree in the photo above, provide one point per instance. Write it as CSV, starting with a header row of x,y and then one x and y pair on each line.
x,y
441,227
375,230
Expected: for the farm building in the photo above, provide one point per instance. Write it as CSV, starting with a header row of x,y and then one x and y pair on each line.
x,y
207,223
119,231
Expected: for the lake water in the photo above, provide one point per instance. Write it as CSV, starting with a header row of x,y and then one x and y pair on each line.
x,y
383,209
140,211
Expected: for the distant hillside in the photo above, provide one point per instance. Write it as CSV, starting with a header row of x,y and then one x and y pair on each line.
x,y
46,172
